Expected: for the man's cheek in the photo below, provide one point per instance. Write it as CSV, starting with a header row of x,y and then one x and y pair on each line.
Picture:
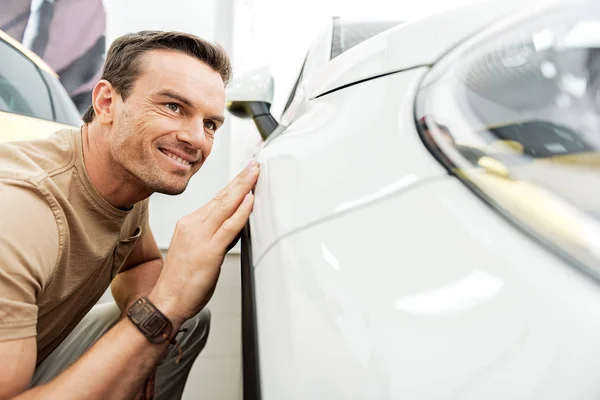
x,y
198,167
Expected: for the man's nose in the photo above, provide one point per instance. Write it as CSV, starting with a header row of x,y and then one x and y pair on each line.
x,y
193,134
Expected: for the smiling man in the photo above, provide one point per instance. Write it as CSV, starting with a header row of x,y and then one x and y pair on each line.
x,y
75,220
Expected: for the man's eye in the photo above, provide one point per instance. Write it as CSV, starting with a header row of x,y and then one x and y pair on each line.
x,y
210,125
174,107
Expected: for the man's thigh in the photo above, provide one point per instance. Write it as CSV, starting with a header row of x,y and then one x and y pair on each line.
x,y
171,376
96,323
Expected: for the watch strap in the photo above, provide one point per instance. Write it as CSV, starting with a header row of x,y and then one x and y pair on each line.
x,y
150,321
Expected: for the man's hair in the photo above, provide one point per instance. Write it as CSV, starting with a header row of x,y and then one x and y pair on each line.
x,y
124,65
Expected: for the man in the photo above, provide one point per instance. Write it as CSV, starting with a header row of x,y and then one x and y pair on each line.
x,y
74,215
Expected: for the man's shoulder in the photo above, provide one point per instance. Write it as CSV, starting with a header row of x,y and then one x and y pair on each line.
x,y
28,219
23,196
32,160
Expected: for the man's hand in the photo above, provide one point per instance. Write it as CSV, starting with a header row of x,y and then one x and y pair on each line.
x,y
198,247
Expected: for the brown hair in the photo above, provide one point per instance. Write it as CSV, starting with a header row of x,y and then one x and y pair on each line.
x,y
123,61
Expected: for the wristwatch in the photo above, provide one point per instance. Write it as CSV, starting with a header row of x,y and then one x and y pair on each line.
x,y
150,321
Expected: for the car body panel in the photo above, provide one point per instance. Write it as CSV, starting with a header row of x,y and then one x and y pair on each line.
x,y
424,295
409,45
338,35
22,127
319,53
379,275
317,167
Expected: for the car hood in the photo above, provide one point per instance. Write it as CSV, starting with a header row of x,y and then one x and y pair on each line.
x,y
15,127
418,43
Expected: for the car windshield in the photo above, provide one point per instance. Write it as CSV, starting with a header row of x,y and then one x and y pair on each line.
x,y
347,34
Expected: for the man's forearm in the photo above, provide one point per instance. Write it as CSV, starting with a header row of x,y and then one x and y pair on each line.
x,y
135,282
114,368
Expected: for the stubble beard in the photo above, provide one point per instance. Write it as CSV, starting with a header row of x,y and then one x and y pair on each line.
x,y
143,169
145,173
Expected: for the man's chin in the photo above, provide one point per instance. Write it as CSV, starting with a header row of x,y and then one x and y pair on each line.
x,y
169,188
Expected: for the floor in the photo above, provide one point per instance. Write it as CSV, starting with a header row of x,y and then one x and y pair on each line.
x,y
217,373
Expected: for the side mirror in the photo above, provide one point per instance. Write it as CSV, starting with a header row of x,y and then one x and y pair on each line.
x,y
250,96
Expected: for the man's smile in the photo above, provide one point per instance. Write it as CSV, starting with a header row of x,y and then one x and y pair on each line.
x,y
179,159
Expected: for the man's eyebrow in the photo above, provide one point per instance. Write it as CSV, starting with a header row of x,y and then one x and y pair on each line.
x,y
217,118
176,96
173,95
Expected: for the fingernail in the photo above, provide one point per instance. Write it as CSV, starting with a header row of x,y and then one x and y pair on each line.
x,y
251,164
248,198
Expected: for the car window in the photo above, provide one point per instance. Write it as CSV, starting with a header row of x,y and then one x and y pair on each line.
x,y
64,108
516,116
348,34
22,89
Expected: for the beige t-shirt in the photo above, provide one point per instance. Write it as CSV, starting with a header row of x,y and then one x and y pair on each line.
x,y
61,243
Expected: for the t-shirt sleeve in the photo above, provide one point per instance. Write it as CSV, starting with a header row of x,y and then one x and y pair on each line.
x,y
29,245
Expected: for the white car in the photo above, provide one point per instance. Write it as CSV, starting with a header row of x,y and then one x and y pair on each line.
x,y
426,223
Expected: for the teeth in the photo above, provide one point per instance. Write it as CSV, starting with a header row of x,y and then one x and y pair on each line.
x,y
180,160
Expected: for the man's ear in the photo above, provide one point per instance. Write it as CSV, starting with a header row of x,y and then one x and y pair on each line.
x,y
104,99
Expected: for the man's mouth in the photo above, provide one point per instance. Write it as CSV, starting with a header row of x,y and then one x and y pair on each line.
x,y
187,161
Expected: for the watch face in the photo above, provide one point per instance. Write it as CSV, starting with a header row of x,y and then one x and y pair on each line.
x,y
151,322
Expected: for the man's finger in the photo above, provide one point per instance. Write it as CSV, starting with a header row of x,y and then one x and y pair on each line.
x,y
150,385
234,224
229,199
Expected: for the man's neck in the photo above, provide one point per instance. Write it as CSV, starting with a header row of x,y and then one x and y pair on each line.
x,y
115,184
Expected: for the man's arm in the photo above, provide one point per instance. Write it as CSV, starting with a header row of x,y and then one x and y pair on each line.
x,y
137,278
117,365
29,248
139,272
16,375
114,368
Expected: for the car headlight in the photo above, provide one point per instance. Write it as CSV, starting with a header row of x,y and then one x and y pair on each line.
x,y
515,114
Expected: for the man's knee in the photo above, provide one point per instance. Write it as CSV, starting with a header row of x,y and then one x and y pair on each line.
x,y
191,342
198,328
171,375
96,323
105,314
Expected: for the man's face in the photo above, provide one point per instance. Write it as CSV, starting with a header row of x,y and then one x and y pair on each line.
x,y
164,130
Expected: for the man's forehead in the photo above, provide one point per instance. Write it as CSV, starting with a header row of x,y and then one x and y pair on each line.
x,y
178,66
176,72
